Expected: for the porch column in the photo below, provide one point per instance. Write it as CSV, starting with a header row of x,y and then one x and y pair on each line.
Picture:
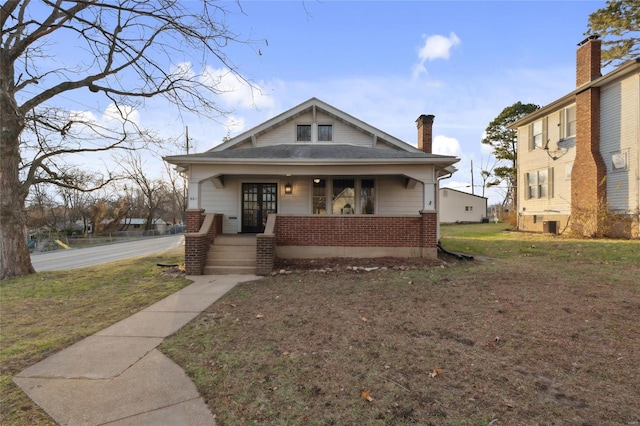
x,y
429,196
193,202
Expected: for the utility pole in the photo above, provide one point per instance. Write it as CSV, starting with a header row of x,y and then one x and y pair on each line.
x,y
186,132
473,188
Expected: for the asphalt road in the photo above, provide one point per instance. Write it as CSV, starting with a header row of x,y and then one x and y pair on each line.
x,y
79,258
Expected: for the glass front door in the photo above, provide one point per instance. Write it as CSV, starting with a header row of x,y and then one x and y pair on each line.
x,y
258,201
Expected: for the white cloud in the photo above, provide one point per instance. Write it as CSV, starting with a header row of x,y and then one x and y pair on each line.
x,y
486,150
183,70
444,145
435,47
120,113
235,124
234,91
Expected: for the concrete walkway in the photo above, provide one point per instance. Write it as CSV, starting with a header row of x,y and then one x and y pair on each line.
x,y
117,377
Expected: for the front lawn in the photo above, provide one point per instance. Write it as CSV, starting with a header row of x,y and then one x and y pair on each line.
x,y
537,330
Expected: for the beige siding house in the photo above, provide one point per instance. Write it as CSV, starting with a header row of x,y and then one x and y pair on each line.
x,y
461,207
579,157
315,182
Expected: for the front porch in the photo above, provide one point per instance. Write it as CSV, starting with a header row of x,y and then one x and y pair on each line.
x,y
310,237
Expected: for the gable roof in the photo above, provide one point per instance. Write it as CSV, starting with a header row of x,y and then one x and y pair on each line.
x,y
623,70
463,193
242,150
314,105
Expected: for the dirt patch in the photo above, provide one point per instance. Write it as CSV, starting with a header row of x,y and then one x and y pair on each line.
x,y
450,342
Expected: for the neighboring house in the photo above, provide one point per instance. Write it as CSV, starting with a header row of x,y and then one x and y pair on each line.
x,y
139,224
461,207
579,157
316,182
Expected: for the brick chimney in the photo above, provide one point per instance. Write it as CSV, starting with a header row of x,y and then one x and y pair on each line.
x,y
425,133
588,187
588,60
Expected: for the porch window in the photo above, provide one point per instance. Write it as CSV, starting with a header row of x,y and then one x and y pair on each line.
x,y
325,133
303,133
343,200
319,196
367,196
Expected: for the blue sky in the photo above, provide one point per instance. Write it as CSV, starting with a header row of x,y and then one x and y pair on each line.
x,y
386,63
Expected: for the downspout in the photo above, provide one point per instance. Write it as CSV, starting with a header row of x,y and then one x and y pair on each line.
x,y
447,176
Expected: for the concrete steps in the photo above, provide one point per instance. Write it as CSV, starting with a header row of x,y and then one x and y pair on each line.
x,y
232,254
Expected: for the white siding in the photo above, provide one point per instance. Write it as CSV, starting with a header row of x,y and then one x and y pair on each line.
x,y
619,134
394,198
342,133
225,201
557,159
456,206
299,202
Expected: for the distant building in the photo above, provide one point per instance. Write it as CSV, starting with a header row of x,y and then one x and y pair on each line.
x,y
461,207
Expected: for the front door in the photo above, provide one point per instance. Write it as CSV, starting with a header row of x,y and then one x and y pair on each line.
x,y
258,201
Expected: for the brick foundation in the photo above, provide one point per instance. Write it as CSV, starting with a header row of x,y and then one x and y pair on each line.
x,y
366,231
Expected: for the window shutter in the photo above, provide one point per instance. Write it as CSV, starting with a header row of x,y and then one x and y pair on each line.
x,y
561,127
550,183
545,132
530,136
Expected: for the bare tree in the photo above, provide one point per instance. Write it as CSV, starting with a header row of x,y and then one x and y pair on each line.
x,y
127,51
151,189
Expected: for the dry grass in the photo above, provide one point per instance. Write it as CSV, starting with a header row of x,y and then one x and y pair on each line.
x,y
44,313
544,330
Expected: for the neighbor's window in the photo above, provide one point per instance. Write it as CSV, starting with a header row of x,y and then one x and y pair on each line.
x,y
343,199
567,170
319,196
303,133
537,135
325,133
468,208
570,122
537,184
367,196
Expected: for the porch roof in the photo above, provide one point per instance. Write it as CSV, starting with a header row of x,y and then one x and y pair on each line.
x,y
312,154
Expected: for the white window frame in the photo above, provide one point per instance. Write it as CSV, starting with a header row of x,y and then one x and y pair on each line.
x,y
535,188
537,135
566,132
357,207
568,170
330,126
298,133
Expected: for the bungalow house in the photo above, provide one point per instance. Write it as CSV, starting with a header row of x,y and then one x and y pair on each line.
x,y
461,207
312,182
579,156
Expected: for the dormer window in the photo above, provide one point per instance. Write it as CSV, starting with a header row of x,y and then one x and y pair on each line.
x,y
325,133
304,133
